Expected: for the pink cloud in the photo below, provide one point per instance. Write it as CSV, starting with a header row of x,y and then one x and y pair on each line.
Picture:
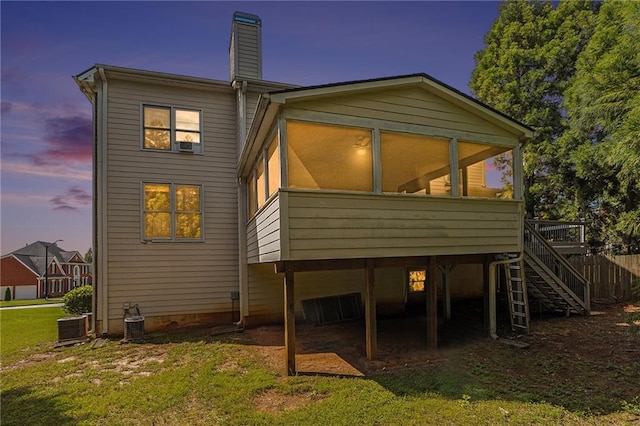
x,y
65,140
73,198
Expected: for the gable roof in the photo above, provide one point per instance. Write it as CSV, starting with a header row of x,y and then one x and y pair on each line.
x,y
270,103
32,256
448,92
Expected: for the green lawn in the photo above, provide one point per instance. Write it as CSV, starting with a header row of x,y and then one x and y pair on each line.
x,y
22,329
29,302
192,378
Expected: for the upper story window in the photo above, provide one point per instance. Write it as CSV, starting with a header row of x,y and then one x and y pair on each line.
x,y
171,129
172,212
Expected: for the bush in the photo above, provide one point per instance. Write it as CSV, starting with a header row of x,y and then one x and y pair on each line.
x,y
7,295
78,300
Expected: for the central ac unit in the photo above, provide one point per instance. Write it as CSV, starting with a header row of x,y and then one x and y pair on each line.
x,y
186,147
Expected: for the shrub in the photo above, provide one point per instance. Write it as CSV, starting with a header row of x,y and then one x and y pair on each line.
x,y
7,294
78,300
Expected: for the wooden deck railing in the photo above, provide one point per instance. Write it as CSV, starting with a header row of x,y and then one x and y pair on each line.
x,y
556,263
557,231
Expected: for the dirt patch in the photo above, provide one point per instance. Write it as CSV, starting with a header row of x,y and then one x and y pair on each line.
x,y
275,401
339,349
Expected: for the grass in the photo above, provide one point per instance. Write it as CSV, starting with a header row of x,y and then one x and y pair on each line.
x,y
191,378
24,330
4,304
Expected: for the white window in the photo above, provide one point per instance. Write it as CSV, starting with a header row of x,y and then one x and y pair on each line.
x,y
171,212
171,129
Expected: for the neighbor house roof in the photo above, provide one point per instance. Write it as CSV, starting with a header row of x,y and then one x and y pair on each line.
x,y
32,256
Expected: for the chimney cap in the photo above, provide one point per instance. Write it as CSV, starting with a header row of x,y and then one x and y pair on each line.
x,y
246,18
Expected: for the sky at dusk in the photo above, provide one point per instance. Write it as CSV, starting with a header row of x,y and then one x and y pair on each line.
x,y
46,122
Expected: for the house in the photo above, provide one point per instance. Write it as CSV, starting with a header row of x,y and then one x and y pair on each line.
x,y
211,196
43,269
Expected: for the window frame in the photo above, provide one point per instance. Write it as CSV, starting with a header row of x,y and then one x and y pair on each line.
x,y
198,147
173,211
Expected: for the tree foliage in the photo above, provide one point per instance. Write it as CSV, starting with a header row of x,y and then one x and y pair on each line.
x,y
528,60
603,106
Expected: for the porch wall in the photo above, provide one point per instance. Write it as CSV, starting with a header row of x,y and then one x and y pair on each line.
x,y
332,225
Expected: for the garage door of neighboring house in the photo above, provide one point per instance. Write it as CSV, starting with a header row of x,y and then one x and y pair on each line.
x,y
25,292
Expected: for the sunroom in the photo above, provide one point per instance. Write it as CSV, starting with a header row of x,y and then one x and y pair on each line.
x,y
397,172
363,169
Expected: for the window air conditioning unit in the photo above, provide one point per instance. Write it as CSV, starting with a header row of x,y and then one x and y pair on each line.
x,y
186,147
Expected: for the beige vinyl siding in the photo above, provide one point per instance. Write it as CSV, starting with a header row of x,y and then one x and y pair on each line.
x,y
263,233
266,287
409,106
248,56
348,225
171,278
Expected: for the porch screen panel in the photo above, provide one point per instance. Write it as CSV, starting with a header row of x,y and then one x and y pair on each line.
x,y
485,170
414,164
273,165
322,156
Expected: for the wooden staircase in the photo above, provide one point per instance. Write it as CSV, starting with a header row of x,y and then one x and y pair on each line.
x,y
551,281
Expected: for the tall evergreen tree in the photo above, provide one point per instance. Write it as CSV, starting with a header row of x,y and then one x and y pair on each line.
x,y
603,106
528,60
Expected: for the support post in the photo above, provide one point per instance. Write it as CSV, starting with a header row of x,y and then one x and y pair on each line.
x,y
432,306
446,290
289,323
486,294
370,311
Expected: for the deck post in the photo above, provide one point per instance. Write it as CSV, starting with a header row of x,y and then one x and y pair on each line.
x,y
289,322
432,306
446,290
370,311
486,309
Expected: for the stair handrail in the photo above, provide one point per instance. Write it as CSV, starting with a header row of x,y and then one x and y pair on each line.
x,y
563,262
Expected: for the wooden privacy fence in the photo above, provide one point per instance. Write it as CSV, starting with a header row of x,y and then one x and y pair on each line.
x,y
611,277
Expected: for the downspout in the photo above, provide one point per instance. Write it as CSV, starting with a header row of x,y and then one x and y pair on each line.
x,y
242,206
493,266
101,206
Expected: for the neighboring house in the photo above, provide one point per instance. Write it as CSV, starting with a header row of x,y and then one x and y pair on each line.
x,y
25,271
207,189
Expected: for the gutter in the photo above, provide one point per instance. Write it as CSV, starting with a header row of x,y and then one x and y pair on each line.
x,y
101,204
243,280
